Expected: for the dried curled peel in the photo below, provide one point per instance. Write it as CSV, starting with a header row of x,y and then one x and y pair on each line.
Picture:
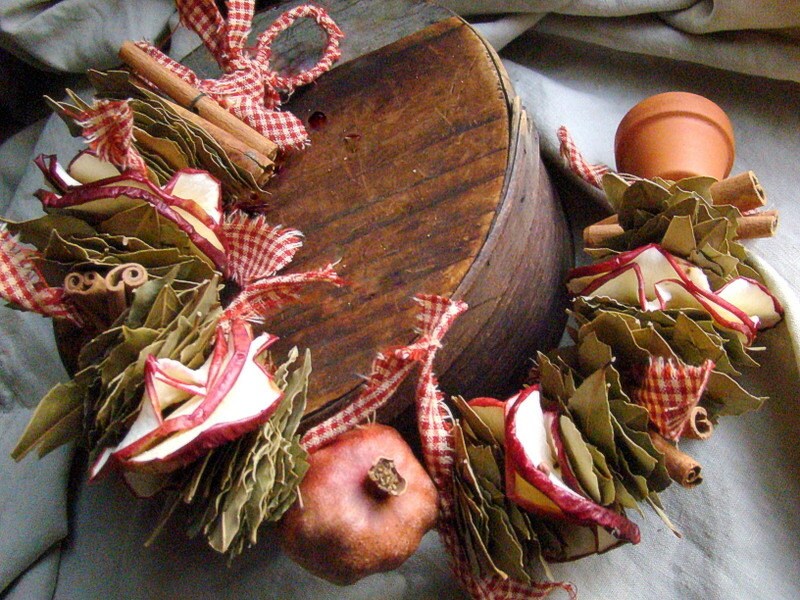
x,y
653,279
192,200
223,399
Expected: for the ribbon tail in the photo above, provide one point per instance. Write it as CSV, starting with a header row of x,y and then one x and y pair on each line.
x,y
23,285
203,17
255,301
590,173
255,250
108,128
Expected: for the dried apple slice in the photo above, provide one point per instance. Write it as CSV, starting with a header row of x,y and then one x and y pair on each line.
x,y
228,396
192,200
676,294
534,478
654,279
651,263
754,299
86,167
200,187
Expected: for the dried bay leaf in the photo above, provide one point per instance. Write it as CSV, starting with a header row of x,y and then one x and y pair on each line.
x,y
580,459
480,431
590,411
56,420
724,396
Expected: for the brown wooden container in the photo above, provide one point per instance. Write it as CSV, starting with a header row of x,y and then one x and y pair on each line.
x,y
423,176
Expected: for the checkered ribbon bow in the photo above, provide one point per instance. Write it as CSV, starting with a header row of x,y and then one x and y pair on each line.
x,y
669,390
23,285
389,369
249,88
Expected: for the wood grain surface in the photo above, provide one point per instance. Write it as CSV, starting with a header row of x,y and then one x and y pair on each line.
x,y
423,176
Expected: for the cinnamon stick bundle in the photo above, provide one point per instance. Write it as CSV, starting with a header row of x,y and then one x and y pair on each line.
x,y
742,191
680,466
245,146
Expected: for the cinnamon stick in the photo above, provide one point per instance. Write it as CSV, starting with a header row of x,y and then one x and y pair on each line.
x,y
87,292
594,236
759,225
190,97
680,466
742,191
698,426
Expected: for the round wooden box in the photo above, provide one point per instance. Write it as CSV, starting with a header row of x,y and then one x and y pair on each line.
x,y
423,176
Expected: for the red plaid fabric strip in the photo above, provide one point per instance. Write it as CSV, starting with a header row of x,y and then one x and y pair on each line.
x,y
669,390
330,55
22,284
249,88
257,300
108,128
256,250
389,370
590,173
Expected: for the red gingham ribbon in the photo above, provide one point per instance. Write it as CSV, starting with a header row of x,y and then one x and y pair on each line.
x,y
590,173
389,369
256,300
249,88
669,390
22,284
256,250
108,128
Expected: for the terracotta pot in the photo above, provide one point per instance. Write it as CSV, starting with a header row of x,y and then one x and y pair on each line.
x,y
675,135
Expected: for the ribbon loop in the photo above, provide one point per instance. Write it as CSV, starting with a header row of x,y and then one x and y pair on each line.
x,y
330,54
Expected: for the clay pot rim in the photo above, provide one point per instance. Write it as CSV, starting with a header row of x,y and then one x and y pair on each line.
x,y
674,104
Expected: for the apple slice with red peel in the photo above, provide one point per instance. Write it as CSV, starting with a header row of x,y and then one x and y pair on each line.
x,y
85,168
754,299
534,478
228,396
200,187
56,175
654,279
197,197
105,197
492,412
248,404
651,263
675,294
